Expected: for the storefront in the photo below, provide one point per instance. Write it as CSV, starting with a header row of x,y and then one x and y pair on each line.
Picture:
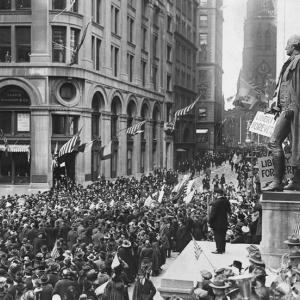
x,y
14,136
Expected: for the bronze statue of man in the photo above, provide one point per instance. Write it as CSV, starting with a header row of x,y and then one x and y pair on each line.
x,y
286,108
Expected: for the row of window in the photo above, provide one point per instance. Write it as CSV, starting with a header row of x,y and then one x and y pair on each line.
x,y
26,4
185,56
184,79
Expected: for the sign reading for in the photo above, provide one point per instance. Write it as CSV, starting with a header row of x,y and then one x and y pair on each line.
x,y
266,169
263,124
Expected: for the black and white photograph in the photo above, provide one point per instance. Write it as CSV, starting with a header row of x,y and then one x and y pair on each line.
x,y
149,149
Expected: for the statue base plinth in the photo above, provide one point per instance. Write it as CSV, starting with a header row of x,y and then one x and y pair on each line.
x,y
279,216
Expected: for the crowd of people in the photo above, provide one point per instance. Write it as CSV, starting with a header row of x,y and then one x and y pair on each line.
x,y
73,242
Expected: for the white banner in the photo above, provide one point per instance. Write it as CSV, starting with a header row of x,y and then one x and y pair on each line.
x,y
266,169
263,124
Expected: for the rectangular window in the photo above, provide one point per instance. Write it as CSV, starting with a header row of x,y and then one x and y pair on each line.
x,y
203,20
74,40
93,51
169,23
59,4
74,7
203,39
169,53
114,20
144,64
5,4
5,122
98,54
22,4
169,83
58,44
154,75
155,42
23,44
115,60
130,29
96,13
144,7
59,124
203,2
130,67
144,38
66,125
5,44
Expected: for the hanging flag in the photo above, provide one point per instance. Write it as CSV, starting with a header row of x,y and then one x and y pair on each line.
x,y
190,186
135,129
184,111
70,145
54,253
148,201
187,199
85,147
116,262
54,163
161,195
197,249
105,151
248,94
77,47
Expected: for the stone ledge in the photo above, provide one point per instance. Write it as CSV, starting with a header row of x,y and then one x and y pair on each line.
x,y
275,196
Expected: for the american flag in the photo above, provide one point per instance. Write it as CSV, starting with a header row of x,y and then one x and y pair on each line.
x,y
197,248
54,157
54,252
135,128
184,111
297,225
70,145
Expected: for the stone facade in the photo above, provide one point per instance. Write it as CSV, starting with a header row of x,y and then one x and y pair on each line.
x,y
118,79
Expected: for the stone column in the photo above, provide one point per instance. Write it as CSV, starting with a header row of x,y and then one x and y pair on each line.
x,y
149,144
138,46
279,216
40,32
105,139
122,149
107,38
123,50
162,52
149,77
136,155
83,159
159,145
84,54
40,147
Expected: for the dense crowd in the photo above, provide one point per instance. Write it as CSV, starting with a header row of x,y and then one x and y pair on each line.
x,y
72,241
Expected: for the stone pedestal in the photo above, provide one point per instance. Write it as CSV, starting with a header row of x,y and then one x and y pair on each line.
x,y
279,217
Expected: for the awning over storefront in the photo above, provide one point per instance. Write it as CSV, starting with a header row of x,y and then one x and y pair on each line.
x,y
15,148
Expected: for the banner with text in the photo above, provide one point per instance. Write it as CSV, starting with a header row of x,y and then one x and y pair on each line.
x,y
263,124
266,169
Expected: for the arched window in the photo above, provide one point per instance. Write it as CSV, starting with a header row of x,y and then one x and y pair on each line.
x,y
14,135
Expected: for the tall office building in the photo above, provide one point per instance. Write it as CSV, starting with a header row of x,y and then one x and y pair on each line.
x,y
49,91
184,70
209,76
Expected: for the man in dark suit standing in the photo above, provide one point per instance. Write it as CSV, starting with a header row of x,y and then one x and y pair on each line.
x,y
218,219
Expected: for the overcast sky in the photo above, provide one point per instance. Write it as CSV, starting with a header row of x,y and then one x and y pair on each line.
x,y
234,12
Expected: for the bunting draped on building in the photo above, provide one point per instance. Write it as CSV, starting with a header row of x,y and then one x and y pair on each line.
x,y
184,111
135,129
